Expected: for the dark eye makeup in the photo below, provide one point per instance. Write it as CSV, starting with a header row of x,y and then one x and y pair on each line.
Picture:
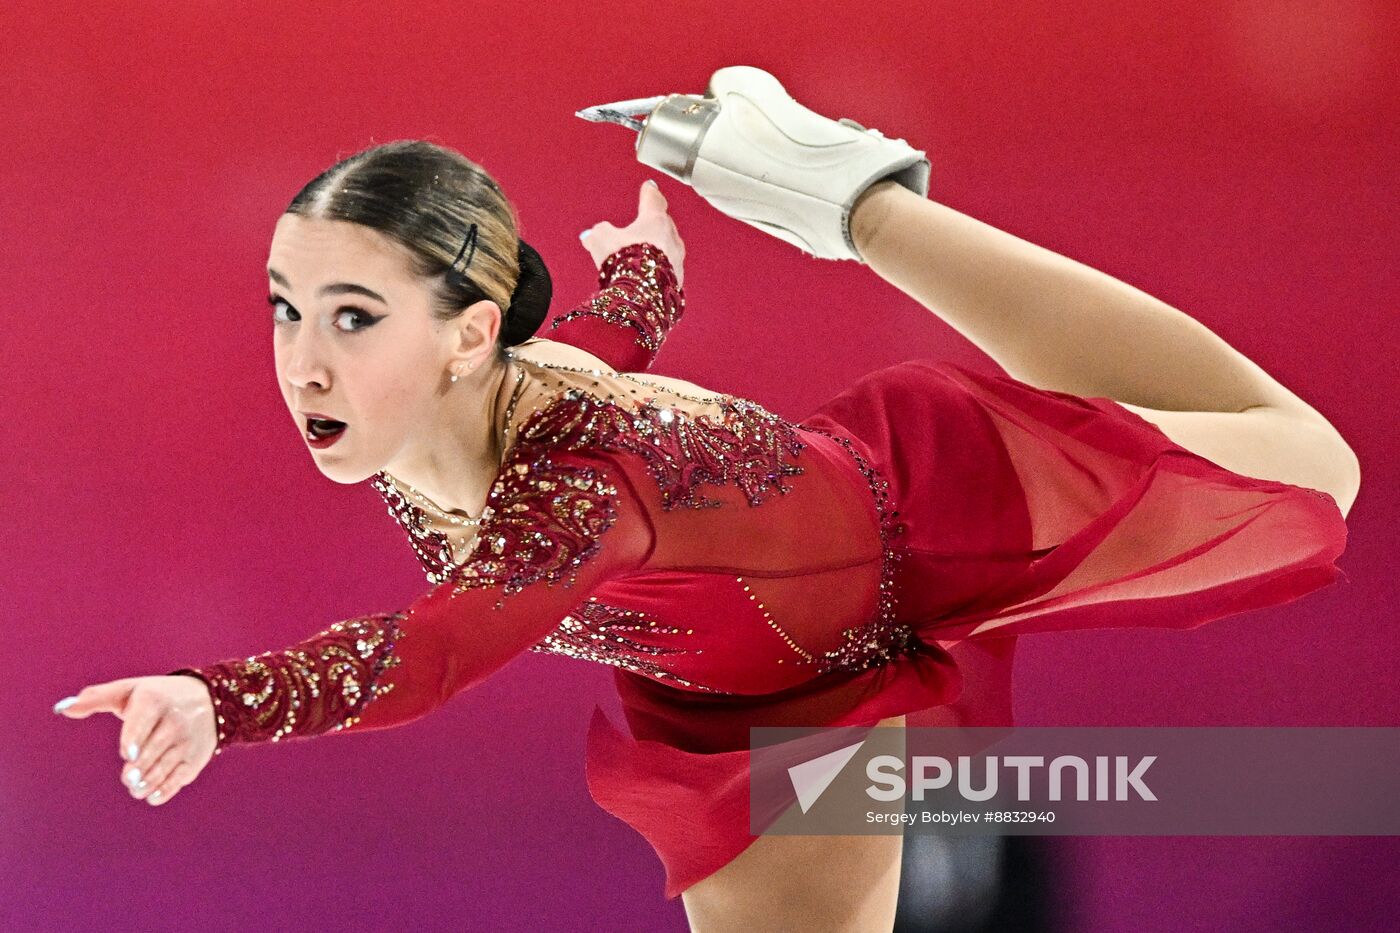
x,y
362,317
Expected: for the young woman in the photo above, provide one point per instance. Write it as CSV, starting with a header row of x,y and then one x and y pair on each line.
x,y
873,561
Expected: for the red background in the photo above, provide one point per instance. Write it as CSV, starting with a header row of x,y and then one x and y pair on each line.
x,y
1235,159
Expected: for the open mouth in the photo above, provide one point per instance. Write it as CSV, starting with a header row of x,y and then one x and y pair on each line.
x,y
319,429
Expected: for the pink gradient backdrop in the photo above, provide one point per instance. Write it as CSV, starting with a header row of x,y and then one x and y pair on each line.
x,y
1235,159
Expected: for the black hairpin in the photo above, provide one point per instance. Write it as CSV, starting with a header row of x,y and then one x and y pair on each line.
x,y
471,239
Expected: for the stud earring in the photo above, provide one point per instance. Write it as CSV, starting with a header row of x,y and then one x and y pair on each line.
x,y
454,377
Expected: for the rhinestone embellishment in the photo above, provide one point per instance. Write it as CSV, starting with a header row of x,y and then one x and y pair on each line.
x,y
606,634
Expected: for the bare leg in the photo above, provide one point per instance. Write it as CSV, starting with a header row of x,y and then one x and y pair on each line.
x,y
1058,324
803,884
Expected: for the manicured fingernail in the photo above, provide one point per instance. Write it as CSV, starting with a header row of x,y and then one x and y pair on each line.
x,y
584,234
64,703
132,752
133,777
652,183
154,798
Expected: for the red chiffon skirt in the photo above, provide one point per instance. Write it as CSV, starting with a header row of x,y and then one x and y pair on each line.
x,y
1026,510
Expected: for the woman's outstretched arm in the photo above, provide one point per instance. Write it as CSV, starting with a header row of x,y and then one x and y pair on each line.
x,y
563,523
1058,324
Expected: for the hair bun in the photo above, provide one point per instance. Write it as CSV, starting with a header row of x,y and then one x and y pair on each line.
x,y
529,303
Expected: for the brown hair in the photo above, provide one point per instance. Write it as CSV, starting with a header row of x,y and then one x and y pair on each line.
x,y
426,197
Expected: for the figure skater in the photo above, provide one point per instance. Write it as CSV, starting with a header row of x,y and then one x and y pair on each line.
x,y
872,563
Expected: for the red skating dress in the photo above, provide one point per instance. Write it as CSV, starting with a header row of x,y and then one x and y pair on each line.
x,y
877,558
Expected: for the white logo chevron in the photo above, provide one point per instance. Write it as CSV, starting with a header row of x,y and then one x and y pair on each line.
x,y
813,777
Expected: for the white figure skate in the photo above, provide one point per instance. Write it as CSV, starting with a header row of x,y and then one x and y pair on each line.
x,y
762,158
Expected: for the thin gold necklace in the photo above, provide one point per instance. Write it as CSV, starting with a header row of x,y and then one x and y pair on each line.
x,y
470,521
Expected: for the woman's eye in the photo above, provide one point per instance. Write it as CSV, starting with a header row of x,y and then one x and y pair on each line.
x,y
277,305
358,320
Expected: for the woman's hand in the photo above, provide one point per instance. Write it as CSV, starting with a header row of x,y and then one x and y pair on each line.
x,y
653,225
168,732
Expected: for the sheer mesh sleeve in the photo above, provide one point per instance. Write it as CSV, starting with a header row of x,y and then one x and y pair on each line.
x,y
625,322
561,523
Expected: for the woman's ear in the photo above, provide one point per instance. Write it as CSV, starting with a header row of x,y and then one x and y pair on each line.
x,y
475,331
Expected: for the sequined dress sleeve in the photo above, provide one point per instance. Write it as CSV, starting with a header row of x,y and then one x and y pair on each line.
x,y
561,522
626,320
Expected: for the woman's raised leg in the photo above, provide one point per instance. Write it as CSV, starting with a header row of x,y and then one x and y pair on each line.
x,y
1058,324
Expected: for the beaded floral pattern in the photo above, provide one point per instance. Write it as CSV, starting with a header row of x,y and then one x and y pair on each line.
x,y
745,447
637,290
545,518
432,548
322,685
544,522
597,631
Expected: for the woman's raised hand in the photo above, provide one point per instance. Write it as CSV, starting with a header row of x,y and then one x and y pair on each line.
x,y
653,225
168,732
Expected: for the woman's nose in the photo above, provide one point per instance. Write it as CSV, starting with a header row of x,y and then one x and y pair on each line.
x,y
306,360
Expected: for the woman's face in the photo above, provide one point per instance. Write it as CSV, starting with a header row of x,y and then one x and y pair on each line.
x,y
355,341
